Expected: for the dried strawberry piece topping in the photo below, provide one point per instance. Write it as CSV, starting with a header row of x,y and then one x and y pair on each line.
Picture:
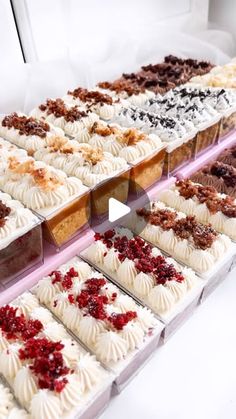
x,y
56,276
119,320
96,306
93,285
17,327
47,363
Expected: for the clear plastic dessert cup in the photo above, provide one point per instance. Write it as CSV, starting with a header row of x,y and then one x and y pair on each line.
x,y
66,222
21,254
178,154
207,136
228,124
144,173
116,187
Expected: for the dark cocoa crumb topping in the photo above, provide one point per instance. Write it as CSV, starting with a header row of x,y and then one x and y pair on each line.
x,y
4,212
26,125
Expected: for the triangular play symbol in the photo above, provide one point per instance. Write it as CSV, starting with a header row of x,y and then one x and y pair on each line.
x,y
117,210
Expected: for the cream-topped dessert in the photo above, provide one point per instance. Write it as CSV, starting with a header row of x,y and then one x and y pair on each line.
x,y
199,106
108,321
89,164
205,203
182,236
50,374
219,76
15,219
104,105
123,89
157,280
37,185
71,119
27,132
8,406
130,144
167,128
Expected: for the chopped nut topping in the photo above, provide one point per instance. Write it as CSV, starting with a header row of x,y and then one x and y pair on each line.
x,y
42,177
26,125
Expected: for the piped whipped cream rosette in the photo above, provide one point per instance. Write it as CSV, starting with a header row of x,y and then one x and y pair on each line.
x,y
50,374
183,237
219,76
130,144
37,185
8,406
27,132
198,112
221,176
168,129
15,219
89,164
104,105
71,119
8,150
156,280
205,203
123,89
109,322
228,156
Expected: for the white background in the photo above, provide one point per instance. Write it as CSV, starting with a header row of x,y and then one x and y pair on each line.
x,y
193,376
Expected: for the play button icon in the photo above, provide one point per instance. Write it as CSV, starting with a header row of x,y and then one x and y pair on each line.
x,y
117,210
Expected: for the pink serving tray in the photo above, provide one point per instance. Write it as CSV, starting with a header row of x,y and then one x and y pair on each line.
x,y
53,259
209,155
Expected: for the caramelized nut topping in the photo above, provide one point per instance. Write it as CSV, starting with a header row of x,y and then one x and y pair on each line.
x,y
26,125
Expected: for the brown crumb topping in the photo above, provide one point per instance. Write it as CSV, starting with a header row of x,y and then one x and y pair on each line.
x,y
91,97
42,177
209,196
187,228
58,108
26,125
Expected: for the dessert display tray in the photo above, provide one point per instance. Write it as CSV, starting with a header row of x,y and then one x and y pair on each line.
x,y
53,259
206,157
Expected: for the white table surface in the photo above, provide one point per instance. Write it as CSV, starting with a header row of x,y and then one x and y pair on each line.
x,y
193,376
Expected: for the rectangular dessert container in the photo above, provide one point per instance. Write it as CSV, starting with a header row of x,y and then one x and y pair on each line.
x,y
146,172
172,320
182,312
123,370
66,222
136,361
23,254
207,137
116,187
218,274
179,156
228,124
